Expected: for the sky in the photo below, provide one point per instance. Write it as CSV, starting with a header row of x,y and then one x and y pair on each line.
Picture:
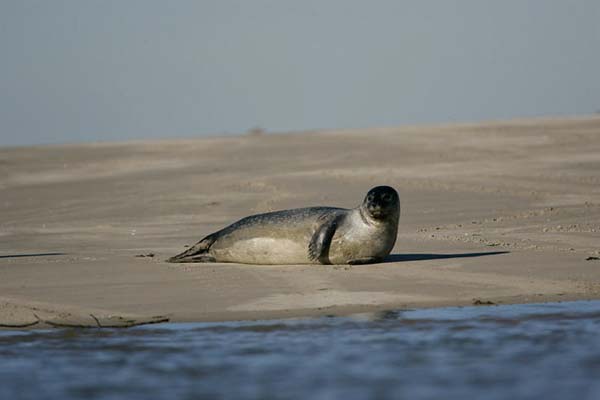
x,y
106,70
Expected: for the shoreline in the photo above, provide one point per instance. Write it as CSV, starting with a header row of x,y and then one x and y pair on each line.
x,y
503,212
57,316
349,311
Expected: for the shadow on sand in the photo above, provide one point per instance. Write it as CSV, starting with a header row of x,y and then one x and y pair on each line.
x,y
426,256
32,255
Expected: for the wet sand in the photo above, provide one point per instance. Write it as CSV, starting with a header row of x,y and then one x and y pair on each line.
x,y
502,212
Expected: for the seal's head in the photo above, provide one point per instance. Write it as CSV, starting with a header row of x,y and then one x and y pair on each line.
x,y
382,202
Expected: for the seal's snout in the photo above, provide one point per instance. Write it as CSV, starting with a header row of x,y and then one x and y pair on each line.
x,y
375,211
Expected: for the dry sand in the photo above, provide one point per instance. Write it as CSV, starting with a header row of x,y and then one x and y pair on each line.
x,y
505,212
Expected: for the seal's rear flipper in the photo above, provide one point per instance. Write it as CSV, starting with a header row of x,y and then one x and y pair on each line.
x,y
196,258
196,253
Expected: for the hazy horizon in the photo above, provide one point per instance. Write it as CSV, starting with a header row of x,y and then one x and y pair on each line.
x,y
119,70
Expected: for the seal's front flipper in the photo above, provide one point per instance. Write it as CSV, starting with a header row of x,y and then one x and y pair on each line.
x,y
196,253
318,248
366,260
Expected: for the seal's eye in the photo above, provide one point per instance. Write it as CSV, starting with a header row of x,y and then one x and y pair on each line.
x,y
370,197
386,197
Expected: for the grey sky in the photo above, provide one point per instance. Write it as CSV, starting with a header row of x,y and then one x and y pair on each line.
x,y
110,70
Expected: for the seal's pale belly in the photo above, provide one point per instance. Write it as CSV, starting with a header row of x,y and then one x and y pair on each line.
x,y
264,250
360,243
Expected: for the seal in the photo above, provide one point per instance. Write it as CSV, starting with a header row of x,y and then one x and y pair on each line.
x,y
315,235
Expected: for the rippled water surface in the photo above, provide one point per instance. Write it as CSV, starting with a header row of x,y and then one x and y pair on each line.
x,y
549,351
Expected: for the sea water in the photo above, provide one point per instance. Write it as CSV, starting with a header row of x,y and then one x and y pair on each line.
x,y
549,351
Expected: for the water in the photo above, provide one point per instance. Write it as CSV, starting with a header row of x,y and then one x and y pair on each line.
x,y
549,351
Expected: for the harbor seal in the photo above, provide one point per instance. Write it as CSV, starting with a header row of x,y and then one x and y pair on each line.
x,y
315,235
